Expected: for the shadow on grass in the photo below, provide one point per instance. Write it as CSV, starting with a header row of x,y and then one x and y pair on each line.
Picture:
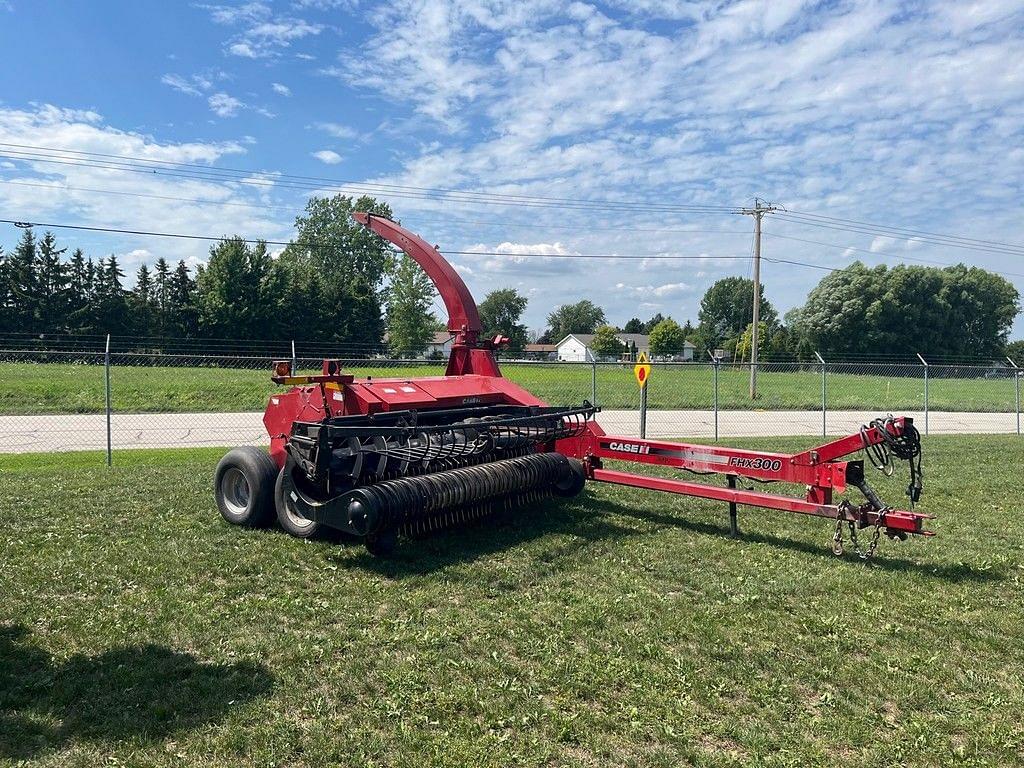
x,y
141,692
588,519
421,555
954,572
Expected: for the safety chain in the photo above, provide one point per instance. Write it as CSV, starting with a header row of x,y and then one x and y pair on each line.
x,y
837,538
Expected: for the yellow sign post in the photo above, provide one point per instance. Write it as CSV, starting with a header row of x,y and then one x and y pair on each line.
x,y
642,371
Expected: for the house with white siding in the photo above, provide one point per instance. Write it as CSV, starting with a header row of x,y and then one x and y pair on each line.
x,y
575,347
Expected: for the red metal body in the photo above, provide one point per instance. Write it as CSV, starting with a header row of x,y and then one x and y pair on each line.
x,y
473,378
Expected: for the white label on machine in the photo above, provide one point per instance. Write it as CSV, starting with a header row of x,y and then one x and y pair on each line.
x,y
408,389
338,396
391,391
274,400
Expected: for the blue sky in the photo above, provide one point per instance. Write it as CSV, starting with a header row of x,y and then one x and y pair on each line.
x,y
908,114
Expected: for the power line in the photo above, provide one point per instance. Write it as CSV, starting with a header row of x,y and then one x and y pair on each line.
x,y
512,224
127,163
1006,249
445,221
901,229
29,149
288,181
313,246
884,253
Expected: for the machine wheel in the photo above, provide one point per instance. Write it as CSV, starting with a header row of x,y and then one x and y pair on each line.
x,y
292,522
244,487
573,482
382,543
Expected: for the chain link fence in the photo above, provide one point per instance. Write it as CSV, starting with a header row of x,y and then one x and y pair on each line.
x,y
55,400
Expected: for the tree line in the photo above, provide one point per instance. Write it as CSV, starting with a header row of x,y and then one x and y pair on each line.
x,y
338,283
950,312
335,283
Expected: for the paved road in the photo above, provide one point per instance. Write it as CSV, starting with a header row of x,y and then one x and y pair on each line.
x,y
23,434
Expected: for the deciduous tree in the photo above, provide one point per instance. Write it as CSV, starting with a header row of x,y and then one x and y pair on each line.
x,y
667,338
335,271
955,311
410,322
499,315
728,308
605,343
582,317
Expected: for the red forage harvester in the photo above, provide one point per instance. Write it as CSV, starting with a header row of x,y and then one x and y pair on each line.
x,y
379,457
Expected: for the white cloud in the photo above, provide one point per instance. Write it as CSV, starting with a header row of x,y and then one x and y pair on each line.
x,y
262,33
521,249
665,291
90,193
880,244
191,86
224,105
243,49
867,109
281,89
221,104
337,130
328,156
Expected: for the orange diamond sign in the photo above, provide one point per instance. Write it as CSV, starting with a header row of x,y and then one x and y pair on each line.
x,y
642,370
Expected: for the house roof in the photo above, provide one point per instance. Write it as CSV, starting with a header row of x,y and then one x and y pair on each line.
x,y
442,337
640,339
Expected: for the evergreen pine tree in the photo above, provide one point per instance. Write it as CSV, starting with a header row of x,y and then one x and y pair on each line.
x,y
5,301
161,295
142,303
78,295
23,284
182,315
112,310
53,285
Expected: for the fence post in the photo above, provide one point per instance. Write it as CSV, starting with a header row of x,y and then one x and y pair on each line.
x,y
925,364
824,402
106,372
1016,391
593,382
716,362
294,359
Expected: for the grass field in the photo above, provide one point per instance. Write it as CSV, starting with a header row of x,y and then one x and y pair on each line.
x,y
30,388
624,628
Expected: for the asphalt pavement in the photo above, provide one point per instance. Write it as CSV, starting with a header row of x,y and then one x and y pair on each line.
x,y
53,433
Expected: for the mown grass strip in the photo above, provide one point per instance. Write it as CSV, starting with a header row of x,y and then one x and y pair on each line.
x,y
623,628
35,388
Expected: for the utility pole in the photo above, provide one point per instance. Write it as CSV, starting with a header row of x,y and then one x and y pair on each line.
x,y
758,211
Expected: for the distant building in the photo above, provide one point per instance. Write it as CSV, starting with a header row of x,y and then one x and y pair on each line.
x,y
440,345
541,351
576,347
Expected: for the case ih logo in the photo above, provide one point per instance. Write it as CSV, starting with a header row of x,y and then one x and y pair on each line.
x,y
772,465
629,448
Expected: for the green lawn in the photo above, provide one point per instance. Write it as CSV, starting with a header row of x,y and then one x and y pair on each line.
x,y
623,628
27,388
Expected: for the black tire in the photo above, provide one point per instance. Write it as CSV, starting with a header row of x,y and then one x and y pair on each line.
x,y
290,520
382,543
244,487
573,480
